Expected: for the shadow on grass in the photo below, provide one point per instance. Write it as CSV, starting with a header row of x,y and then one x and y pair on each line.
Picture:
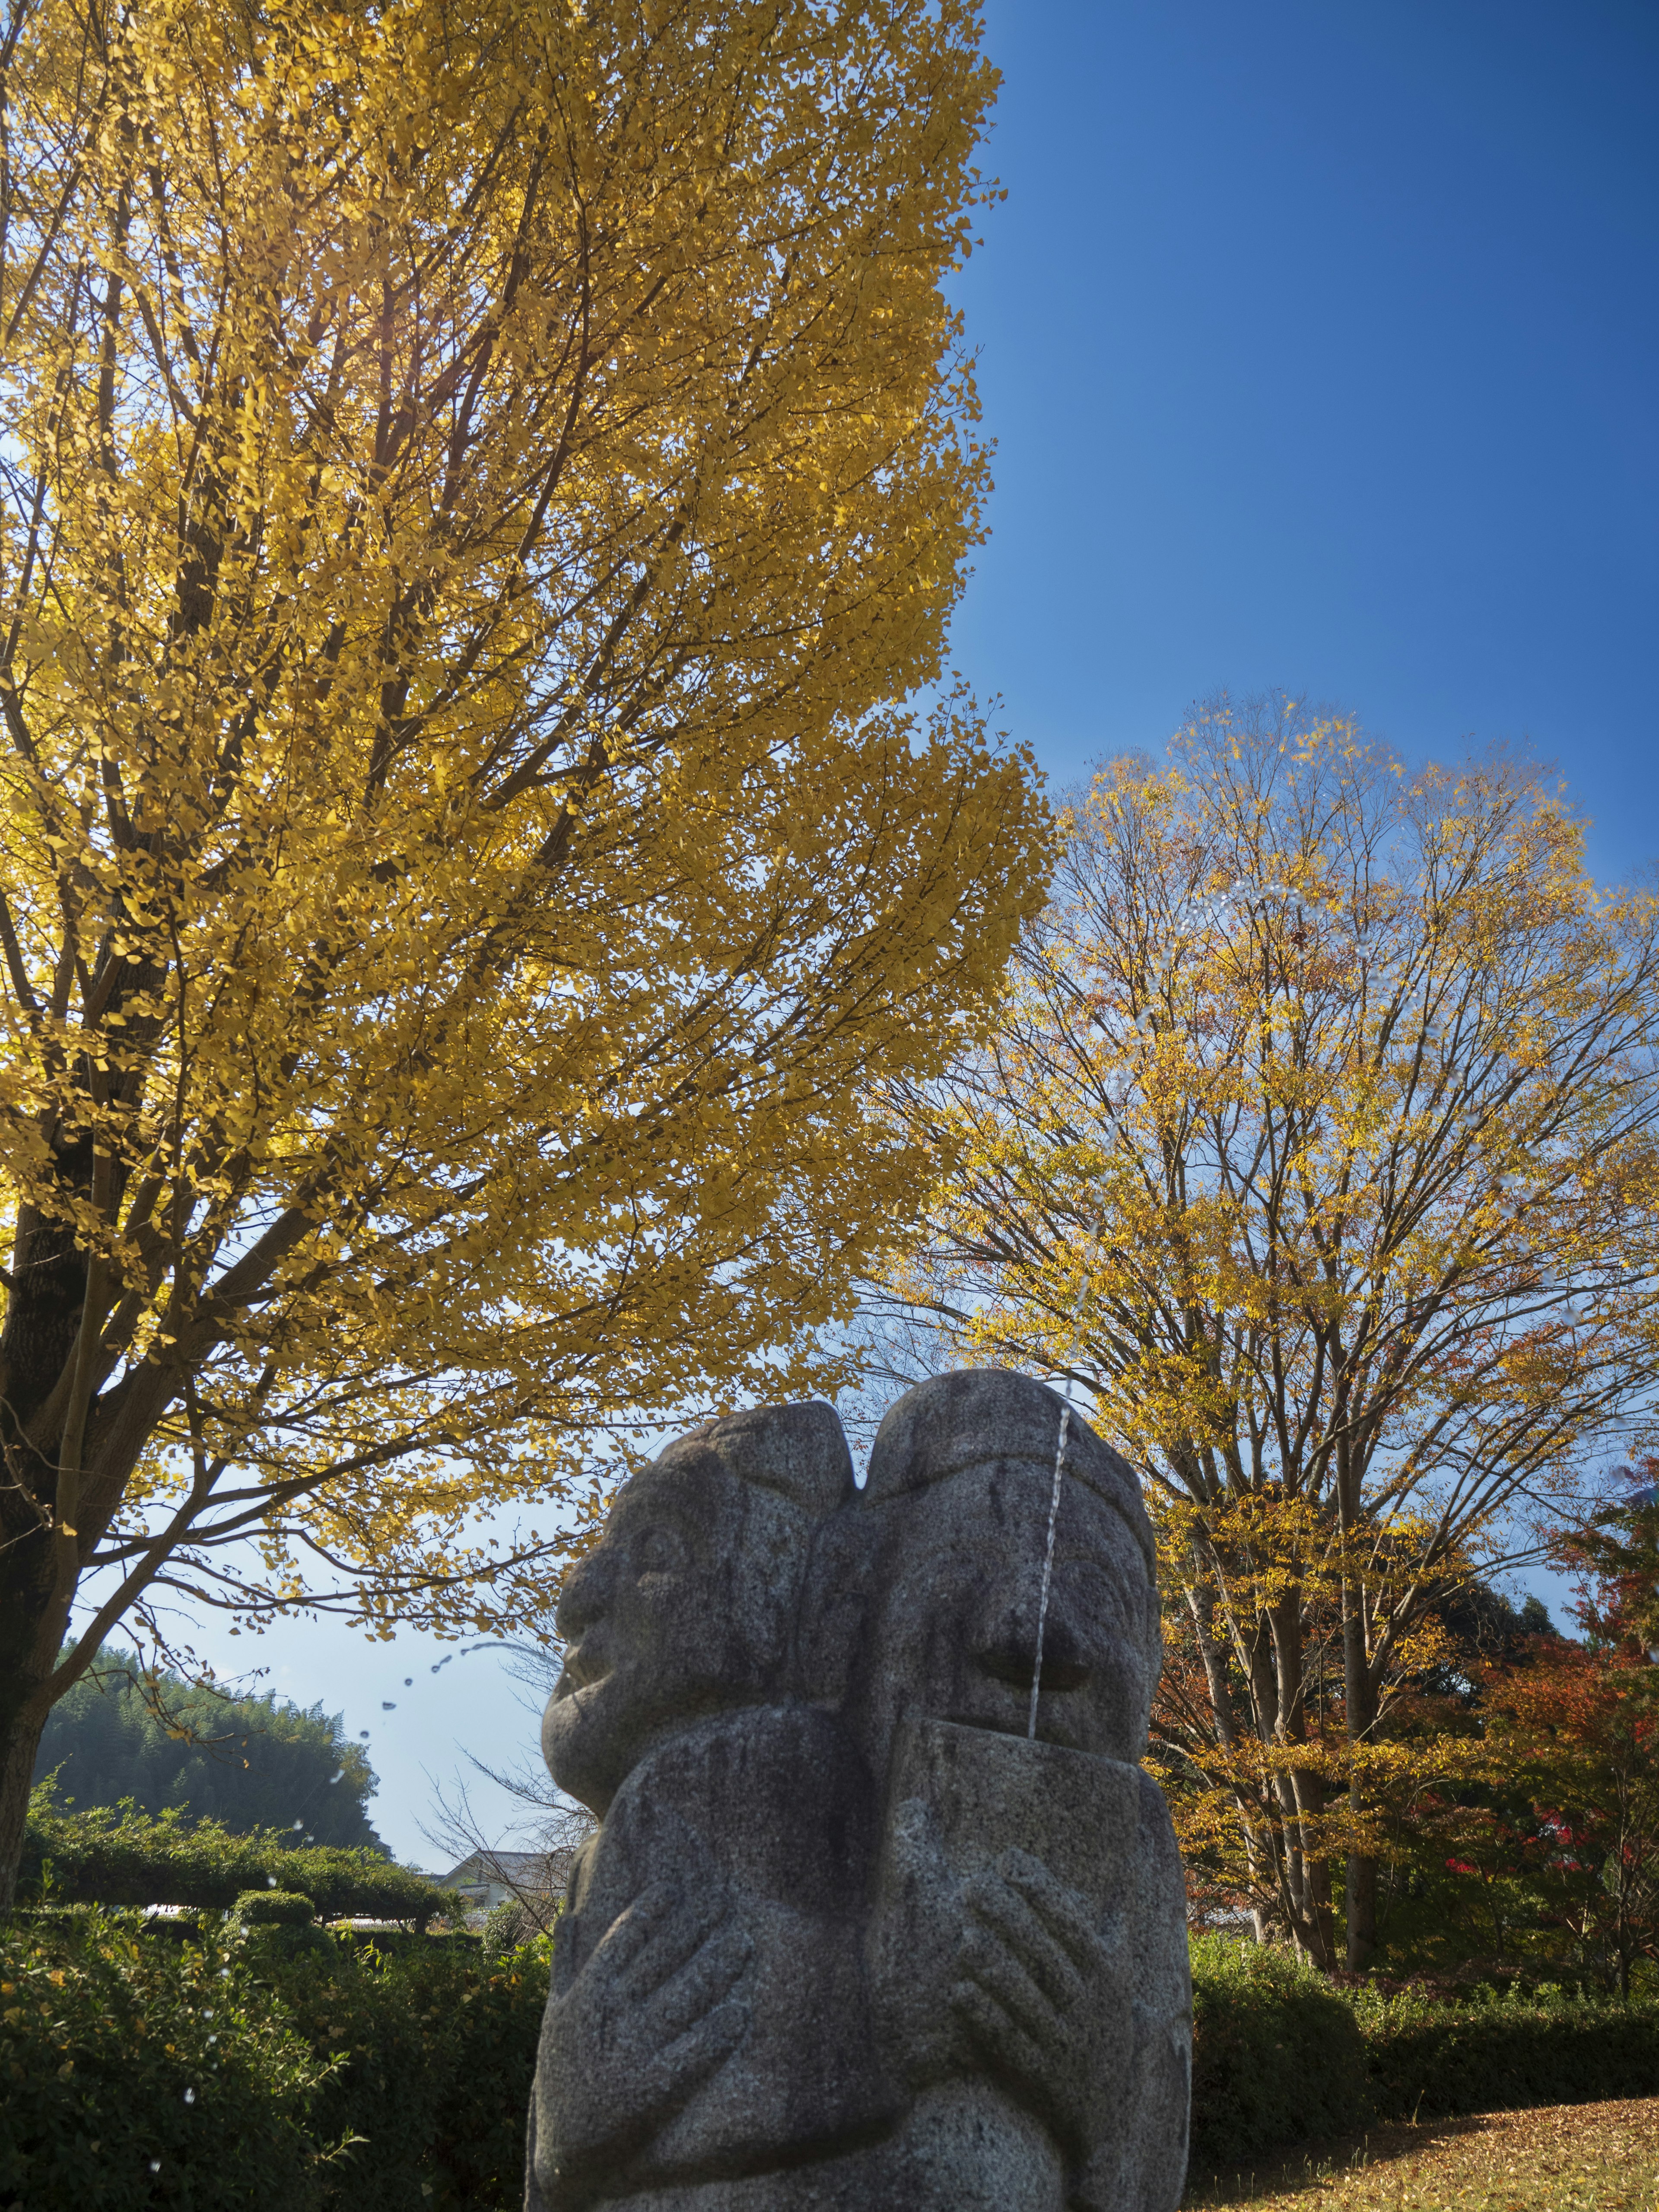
x,y
1315,2165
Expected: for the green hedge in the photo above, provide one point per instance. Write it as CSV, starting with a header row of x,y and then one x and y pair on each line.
x,y
410,1941
1281,2057
1278,2057
257,2075
114,1855
278,2068
1494,2051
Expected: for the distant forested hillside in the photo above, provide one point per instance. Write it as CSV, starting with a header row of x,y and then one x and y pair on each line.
x,y
249,1762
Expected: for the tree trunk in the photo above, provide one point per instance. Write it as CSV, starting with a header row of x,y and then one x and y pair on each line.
x,y
1303,1790
1361,1865
34,1619
1359,1711
1321,1916
19,1739
1362,1912
43,1317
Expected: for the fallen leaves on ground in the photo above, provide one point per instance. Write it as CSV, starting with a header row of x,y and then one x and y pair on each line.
x,y
1562,2157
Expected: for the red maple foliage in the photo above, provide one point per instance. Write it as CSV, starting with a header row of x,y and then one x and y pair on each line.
x,y
1571,1731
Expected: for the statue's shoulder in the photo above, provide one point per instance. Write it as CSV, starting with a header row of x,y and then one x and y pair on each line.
x,y
776,1797
1157,1830
581,1875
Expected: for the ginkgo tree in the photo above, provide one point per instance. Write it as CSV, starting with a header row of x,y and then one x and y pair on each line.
x,y
1317,1149
481,478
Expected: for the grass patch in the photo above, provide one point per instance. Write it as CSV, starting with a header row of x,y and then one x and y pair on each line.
x,y
1558,2158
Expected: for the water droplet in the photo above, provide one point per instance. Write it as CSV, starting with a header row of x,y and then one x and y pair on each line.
x,y
190,2096
409,1681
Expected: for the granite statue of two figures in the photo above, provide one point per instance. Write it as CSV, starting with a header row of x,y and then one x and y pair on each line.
x,y
845,1937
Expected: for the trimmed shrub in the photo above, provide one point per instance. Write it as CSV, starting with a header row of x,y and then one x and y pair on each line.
x,y
517,1923
275,1908
1489,2052
277,2068
115,1855
62,1916
1278,2057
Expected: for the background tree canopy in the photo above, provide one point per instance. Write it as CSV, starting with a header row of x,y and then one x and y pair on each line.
x,y
249,1763
1318,1146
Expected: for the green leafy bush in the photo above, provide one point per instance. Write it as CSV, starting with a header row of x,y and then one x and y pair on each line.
x,y
134,2074
400,1943
283,1908
438,2053
1500,2051
275,2068
517,1924
507,1927
1278,2055
115,1855
330,2078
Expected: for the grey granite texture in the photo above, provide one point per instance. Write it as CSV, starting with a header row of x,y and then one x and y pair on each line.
x,y
845,1937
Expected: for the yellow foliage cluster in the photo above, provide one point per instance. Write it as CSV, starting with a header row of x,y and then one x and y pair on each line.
x,y
479,476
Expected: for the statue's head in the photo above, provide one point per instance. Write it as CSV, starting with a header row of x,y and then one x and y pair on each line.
x,y
687,1605
958,1493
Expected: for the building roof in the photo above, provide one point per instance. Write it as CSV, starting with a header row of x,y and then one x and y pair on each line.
x,y
531,1870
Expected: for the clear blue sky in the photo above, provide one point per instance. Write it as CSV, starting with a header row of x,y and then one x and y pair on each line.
x,y
1318,344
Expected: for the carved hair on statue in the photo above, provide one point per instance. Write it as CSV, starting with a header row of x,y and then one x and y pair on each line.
x,y
953,1422
800,1451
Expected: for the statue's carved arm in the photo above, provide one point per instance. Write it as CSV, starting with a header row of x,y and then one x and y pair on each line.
x,y
1005,1973
1039,1992
647,2017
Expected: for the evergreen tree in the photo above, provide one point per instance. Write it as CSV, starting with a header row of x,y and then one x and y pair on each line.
x,y
249,1762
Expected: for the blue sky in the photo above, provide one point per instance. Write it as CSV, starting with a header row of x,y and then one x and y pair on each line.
x,y
1318,345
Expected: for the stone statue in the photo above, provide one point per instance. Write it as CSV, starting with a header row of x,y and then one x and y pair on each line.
x,y
848,1935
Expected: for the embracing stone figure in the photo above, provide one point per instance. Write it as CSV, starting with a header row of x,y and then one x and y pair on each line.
x,y
846,1936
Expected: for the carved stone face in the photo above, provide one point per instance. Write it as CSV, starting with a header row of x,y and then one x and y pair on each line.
x,y
683,1609
953,1631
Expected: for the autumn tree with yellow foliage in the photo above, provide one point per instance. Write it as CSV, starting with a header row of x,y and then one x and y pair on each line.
x,y
1317,1151
481,476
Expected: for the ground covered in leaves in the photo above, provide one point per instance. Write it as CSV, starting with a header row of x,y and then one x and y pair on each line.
x,y
1562,2157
